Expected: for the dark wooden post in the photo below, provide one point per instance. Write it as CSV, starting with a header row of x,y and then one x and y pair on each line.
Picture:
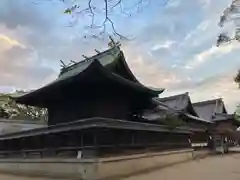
x,y
89,152
95,142
24,147
81,140
132,138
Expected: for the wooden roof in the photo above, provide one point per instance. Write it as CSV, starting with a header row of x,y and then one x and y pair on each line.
x,y
107,59
210,109
180,102
177,104
103,64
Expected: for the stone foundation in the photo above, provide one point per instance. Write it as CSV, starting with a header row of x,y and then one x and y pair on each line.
x,y
105,168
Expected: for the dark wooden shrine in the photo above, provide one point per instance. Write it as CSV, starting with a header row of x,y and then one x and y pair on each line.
x,y
95,109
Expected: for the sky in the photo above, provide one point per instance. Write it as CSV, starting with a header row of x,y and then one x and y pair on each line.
x,y
172,46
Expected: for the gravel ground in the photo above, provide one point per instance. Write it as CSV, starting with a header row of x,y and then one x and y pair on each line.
x,y
225,167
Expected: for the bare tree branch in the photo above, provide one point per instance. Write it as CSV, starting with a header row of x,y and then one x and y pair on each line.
x,y
91,11
95,11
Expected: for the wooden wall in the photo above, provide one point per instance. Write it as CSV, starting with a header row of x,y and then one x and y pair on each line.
x,y
75,109
222,126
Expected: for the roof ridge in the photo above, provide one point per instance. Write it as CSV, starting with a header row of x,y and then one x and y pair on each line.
x,y
207,101
85,61
173,96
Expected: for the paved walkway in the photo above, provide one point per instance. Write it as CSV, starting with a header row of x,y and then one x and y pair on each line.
x,y
225,167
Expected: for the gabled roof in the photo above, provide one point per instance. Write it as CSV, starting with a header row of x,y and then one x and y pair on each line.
x,y
161,111
209,109
109,64
174,105
105,58
109,59
180,102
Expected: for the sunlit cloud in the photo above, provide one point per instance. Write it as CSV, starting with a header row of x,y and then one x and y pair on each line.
x,y
11,42
164,45
174,47
210,54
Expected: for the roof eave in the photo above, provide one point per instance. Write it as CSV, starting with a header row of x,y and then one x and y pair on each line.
x,y
95,67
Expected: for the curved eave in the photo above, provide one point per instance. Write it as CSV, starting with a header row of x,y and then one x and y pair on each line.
x,y
188,109
193,112
198,118
131,76
129,72
224,109
122,62
94,67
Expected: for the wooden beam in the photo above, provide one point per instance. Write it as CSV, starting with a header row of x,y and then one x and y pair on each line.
x,y
97,51
85,57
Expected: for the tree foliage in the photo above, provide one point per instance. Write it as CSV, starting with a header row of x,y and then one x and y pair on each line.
x,y
230,14
11,110
237,113
237,78
173,121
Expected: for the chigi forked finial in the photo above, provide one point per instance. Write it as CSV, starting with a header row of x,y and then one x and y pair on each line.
x,y
112,43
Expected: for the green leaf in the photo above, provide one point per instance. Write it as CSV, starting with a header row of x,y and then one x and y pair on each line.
x,y
172,122
68,11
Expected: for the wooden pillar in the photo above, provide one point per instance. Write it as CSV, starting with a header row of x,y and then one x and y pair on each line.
x,y
39,145
72,139
1,145
23,147
89,152
9,145
51,144
81,139
95,141
6,144
38,142
52,140
132,138
22,143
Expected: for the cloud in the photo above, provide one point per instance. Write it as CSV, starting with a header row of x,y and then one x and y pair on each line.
x,y
220,86
29,41
19,65
210,54
35,52
21,13
20,68
148,70
167,42
203,26
165,45
9,41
